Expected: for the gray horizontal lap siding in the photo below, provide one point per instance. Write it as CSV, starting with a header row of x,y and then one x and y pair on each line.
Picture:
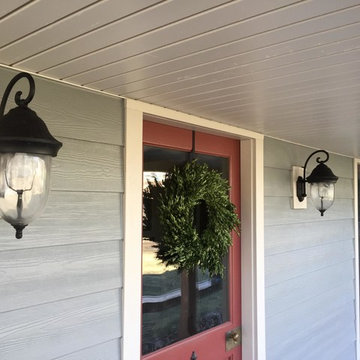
x,y
61,285
309,268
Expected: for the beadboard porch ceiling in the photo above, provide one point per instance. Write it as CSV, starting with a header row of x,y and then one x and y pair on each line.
x,y
285,68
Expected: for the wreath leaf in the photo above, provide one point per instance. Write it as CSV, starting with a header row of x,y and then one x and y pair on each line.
x,y
181,244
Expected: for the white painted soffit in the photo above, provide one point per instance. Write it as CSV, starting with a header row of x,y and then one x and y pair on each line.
x,y
285,68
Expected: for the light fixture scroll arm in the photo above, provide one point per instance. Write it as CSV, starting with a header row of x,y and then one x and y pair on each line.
x,y
301,181
20,102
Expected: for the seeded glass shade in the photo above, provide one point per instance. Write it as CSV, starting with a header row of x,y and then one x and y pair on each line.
x,y
322,195
24,187
322,187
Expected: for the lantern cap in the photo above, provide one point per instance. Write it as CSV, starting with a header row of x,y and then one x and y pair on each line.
x,y
322,173
21,130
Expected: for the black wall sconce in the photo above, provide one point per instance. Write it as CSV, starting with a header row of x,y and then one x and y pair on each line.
x,y
322,183
26,149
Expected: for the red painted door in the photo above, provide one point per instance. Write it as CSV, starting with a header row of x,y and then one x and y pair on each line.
x,y
176,324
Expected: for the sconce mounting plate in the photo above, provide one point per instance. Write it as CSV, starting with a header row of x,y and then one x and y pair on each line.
x,y
296,204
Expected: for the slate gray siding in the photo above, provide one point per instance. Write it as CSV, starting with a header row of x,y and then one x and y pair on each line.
x,y
61,285
309,263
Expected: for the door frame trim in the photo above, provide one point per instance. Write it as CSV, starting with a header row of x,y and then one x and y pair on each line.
x,y
252,225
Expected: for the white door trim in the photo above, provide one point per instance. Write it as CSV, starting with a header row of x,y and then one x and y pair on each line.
x,y
252,224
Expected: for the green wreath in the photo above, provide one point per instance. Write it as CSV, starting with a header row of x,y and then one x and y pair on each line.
x,y
182,244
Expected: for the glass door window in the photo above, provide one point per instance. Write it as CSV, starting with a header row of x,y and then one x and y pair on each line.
x,y
176,304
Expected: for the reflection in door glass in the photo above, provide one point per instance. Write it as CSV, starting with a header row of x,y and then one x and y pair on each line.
x,y
175,305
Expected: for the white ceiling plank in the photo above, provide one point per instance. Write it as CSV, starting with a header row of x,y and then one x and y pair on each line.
x,y
325,106
258,90
309,117
316,84
248,99
289,100
230,92
139,23
249,63
284,100
327,111
36,15
7,6
303,124
235,11
226,42
228,85
285,108
331,95
77,24
139,78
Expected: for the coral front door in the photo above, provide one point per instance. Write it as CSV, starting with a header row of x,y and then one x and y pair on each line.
x,y
189,315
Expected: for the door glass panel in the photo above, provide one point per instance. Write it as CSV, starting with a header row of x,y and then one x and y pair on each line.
x,y
176,305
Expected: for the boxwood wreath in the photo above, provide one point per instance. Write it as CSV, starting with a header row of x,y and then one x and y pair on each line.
x,y
181,244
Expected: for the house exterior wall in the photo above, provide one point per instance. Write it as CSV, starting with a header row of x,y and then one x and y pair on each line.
x,y
309,263
61,284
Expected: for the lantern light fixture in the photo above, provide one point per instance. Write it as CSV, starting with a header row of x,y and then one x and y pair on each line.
x,y
322,183
26,149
